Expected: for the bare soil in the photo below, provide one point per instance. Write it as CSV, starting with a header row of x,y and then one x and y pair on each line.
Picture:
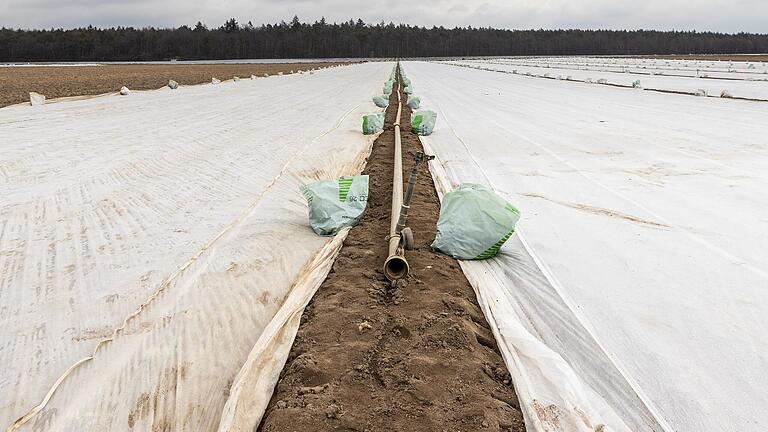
x,y
64,81
418,357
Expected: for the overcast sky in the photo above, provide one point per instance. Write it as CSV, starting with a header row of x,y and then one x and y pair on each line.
x,y
715,15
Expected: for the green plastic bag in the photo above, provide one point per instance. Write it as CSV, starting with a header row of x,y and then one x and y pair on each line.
x,y
474,223
373,123
423,122
335,204
414,102
381,101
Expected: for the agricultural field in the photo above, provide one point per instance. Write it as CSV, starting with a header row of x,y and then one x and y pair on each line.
x,y
635,285
713,57
158,271
74,80
149,240
726,79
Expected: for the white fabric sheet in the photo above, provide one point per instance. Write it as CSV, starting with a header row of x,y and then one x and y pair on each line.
x,y
147,241
636,295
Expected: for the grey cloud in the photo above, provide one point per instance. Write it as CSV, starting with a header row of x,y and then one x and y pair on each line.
x,y
715,15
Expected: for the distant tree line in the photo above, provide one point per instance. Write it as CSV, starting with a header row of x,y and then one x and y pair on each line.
x,y
352,39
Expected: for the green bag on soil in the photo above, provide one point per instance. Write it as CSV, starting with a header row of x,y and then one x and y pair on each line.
x,y
474,223
414,102
381,101
173,85
423,122
335,204
373,123
388,87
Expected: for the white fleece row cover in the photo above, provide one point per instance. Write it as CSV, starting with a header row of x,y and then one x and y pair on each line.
x,y
155,253
635,297
736,84
746,68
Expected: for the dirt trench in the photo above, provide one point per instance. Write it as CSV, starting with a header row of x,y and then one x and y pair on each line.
x,y
419,357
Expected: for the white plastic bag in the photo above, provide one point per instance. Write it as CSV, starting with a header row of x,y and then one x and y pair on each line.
x,y
423,122
381,101
36,99
335,204
474,223
373,123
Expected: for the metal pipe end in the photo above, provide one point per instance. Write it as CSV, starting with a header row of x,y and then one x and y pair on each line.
x,y
396,267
